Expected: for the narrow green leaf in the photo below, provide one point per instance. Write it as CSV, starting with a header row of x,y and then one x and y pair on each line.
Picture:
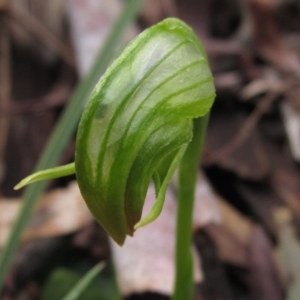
x,y
65,129
52,173
78,289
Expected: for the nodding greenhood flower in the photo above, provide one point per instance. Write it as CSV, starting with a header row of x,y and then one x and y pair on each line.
x,y
138,123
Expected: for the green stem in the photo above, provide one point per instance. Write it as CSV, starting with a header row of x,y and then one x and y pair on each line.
x,y
64,130
188,169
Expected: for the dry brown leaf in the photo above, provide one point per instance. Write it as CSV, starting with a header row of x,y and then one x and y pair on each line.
x,y
285,181
269,82
239,147
269,43
9,209
263,279
244,244
90,23
288,253
146,262
59,212
206,209
291,122
233,236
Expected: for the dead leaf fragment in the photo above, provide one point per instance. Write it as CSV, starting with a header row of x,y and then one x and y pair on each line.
x,y
288,253
238,146
291,119
9,210
264,282
59,212
90,23
146,262
233,236
206,207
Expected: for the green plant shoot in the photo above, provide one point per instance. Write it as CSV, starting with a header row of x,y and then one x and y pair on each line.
x,y
138,124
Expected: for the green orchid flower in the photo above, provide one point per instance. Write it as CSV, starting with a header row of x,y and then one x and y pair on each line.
x,y
138,124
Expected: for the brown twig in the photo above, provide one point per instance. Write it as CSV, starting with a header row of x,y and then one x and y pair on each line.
x,y
262,107
56,97
5,88
37,29
243,133
267,37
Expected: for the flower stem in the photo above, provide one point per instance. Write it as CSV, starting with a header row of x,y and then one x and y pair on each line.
x,y
184,283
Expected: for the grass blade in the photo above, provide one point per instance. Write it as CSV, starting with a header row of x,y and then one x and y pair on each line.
x,y
64,130
83,283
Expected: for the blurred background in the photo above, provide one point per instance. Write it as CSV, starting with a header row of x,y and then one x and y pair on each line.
x,y
247,214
